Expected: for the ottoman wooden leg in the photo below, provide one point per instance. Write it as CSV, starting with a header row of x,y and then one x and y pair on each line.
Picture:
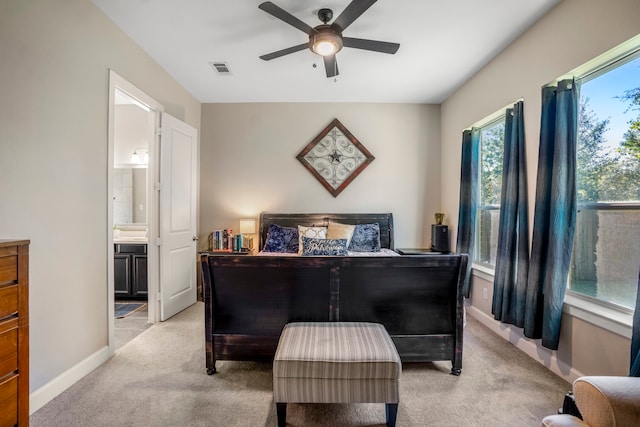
x,y
281,413
392,413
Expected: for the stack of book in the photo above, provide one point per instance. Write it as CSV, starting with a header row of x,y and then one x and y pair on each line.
x,y
219,240
225,240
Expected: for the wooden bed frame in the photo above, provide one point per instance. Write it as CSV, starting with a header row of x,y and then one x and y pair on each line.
x,y
249,299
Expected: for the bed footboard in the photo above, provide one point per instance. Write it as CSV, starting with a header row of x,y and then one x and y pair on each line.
x,y
418,299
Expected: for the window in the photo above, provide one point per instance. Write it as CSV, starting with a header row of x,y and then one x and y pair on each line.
x,y
488,214
606,252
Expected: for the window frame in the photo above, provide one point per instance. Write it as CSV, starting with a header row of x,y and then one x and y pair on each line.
x,y
607,315
493,119
596,71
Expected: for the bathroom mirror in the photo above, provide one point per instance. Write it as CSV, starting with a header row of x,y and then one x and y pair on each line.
x,y
129,195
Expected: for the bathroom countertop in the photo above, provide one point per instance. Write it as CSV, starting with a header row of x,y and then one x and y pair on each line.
x,y
130,240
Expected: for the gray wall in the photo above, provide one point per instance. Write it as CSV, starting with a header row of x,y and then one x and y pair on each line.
x,y
54,81
570,35
248,163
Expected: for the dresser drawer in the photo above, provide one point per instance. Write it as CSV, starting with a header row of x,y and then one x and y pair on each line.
x,y
8,266
8,352
8,301
9,401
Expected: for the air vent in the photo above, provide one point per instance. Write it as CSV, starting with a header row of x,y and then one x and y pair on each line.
x,y
221,68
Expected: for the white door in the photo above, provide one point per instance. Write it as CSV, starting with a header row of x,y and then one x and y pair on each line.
x,y
178,156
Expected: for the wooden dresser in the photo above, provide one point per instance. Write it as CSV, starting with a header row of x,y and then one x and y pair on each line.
x,y
14,333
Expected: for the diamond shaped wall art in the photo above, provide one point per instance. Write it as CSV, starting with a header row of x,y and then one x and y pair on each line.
x,y
335,157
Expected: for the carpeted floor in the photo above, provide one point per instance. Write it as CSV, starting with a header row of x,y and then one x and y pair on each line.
x,y
159,379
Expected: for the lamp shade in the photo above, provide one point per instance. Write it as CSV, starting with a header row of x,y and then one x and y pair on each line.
x,y
326,42
247,226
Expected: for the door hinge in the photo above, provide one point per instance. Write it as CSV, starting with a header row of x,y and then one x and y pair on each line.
x,y
157,186
158,241
159,131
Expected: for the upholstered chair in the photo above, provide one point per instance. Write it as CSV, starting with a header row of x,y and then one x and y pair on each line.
x,y
602,402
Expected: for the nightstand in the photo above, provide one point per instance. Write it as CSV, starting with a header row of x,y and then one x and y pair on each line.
x,y
419,251
250,252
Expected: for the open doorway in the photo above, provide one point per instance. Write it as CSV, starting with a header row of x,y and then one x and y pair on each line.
x,y
166,243
132,139
132,258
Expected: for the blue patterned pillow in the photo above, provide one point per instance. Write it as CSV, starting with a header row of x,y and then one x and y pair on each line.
x,y
333,247
366,238
281,239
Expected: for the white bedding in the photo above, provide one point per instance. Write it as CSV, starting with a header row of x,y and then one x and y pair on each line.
x,y
383,253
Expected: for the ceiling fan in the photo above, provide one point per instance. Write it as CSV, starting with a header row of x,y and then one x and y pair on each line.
x,y
326,39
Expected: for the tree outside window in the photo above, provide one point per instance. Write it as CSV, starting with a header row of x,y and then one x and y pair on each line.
x,y
491,157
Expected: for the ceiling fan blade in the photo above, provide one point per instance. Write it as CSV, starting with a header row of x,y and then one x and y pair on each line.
x,y
351,13
374,45
330,65
285,16
283,52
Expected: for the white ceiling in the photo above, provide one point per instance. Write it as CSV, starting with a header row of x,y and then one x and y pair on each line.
x,y
442,44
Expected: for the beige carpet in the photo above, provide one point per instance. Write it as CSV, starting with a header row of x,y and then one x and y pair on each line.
x,y
159,379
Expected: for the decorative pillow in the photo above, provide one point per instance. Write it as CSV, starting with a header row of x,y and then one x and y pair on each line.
x,y
340,231
281,239
366,238
312,232
333,247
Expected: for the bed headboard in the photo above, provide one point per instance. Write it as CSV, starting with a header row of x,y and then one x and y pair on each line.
x,y
384,220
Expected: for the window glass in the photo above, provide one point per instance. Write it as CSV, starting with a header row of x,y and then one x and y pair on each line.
x,y
606,253
491,156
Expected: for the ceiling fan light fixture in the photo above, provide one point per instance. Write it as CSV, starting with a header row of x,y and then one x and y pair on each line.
x,y
326,43
326,39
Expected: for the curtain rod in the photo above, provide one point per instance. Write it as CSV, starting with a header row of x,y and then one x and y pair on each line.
x,y
494,116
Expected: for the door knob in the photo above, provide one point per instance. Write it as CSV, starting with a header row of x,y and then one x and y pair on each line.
x,y
194,238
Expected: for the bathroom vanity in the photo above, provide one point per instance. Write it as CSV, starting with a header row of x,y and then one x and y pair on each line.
x,y
130,270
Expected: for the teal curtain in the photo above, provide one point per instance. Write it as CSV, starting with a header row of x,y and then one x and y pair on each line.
x,y
512,258
468,199
635,339
555,213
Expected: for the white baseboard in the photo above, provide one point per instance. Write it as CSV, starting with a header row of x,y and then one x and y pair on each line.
x,y
515,336
53,388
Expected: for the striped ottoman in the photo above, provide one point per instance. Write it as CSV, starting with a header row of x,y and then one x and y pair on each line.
x,y
336,362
